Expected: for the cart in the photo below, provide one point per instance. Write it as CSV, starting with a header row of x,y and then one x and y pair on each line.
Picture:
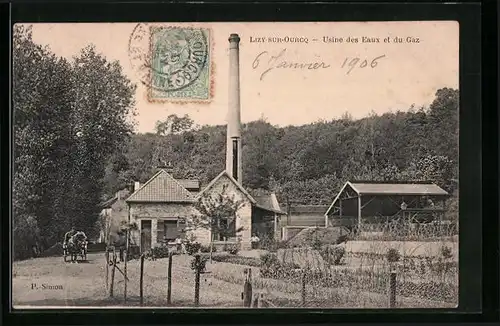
x,y
82,252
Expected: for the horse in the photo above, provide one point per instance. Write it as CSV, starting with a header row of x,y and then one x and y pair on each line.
x,y
76,244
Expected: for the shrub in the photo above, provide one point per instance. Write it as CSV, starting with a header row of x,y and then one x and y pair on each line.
x,y
192,248
272,267
206,249
273,245
149,255
446,252
393,255
338,254
160,252
316,243
200,265
333,255
268,260
134,252
233,249
422,267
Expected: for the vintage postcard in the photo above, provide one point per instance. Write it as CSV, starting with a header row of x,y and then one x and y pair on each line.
x,y
230,165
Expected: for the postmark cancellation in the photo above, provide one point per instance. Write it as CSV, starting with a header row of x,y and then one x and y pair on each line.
x,y
176,64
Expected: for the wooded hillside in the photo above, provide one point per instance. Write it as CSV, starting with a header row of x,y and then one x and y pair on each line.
x,y
309,163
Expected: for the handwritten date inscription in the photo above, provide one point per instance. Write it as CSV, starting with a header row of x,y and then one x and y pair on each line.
x,y
352,63
269,62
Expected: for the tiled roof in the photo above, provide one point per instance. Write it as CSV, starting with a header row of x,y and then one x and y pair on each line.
x,y
162,187
398,189
189,184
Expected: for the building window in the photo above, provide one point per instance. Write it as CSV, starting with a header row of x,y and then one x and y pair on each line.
x,y
169,230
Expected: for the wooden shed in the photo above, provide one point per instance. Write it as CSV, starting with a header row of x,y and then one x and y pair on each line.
x,y
383,201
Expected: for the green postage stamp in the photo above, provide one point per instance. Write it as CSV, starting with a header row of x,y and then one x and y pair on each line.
x,y
180,64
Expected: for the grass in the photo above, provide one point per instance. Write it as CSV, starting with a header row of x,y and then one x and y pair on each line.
x,y
239,260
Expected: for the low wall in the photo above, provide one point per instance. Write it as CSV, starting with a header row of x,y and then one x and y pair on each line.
x,y
406,248
291,231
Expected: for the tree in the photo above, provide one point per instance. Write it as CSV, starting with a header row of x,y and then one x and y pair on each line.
x,y
259,159
438,169
69,117
174,125
103,100
443,122
41,104
217,213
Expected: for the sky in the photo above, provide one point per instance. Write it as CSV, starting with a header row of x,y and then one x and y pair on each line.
x,y
407,73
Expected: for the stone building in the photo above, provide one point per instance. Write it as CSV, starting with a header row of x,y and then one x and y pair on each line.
x,y
114,212
162,207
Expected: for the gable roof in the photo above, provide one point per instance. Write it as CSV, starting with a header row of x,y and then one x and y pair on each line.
x,y
268,202
265,202
161,188
429,189
385,189
108,203
233,180
120,195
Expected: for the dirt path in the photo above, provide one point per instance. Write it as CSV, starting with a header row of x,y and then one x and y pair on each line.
x,y
50,281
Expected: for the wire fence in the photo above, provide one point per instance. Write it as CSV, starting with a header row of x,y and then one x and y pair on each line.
x,y
356,274
322,278
403,229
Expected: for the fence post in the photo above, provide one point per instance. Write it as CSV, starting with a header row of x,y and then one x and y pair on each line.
x,y
141,280
125,276
111,286
169,280
260,300
127,233
197,282
247,289
392,289
106,255
303,289
255,301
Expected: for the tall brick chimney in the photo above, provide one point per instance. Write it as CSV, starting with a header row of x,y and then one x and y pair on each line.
x,y
233,142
